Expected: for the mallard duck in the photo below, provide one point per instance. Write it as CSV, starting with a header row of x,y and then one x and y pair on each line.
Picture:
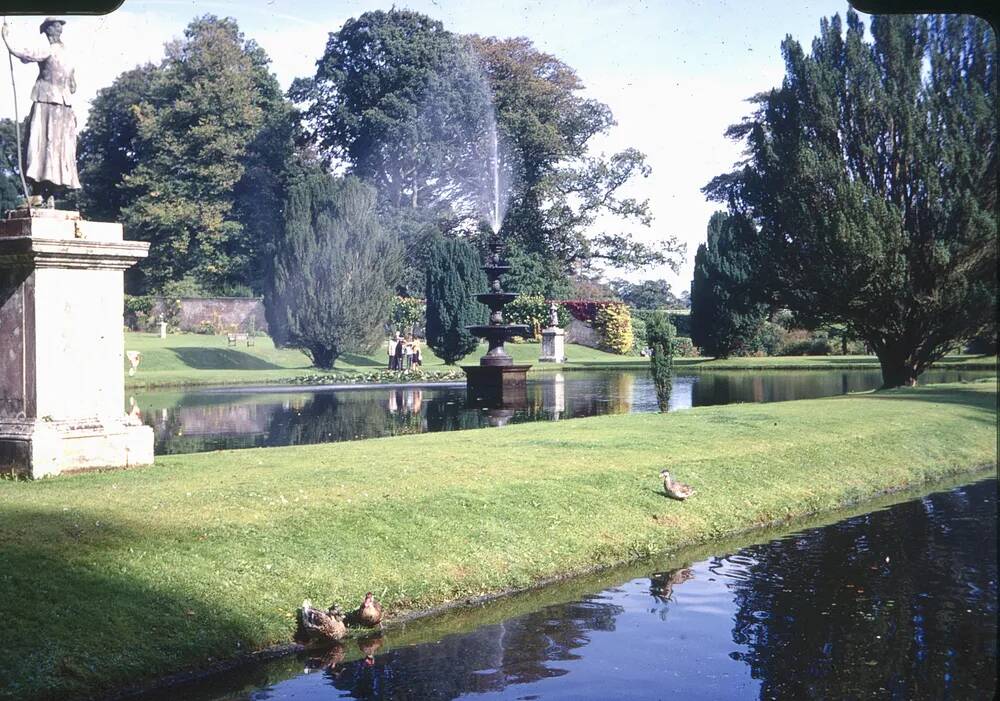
x,y
369,613
675,490
316,625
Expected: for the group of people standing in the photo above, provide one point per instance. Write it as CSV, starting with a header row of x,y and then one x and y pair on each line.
x,y
404,353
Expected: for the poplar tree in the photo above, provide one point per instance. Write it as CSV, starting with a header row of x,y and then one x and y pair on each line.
x,y
724,316
335,270
454,278
871,183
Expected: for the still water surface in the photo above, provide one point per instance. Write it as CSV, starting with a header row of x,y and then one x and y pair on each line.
x,y
899,603
196,421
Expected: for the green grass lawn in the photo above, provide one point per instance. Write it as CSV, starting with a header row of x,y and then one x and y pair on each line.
x,y
123,576
195,359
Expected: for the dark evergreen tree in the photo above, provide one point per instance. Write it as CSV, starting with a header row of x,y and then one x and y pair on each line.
x,y
454,278
724,318
335,270
871,181
660,338
11,190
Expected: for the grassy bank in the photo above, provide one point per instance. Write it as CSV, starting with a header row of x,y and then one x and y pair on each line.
x,y
123,576
194,359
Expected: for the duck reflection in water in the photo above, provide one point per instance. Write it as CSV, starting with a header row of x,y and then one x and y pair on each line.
x,y
368,647
661,584
327,659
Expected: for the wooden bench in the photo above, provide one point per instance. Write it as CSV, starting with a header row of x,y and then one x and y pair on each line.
x,y
234,338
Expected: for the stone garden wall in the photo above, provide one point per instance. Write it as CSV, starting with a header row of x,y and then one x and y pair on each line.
x,y
582,333
214,314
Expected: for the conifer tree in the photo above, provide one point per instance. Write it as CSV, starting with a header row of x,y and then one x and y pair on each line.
x,y
454,278
871,183
335,270
660,337
724,318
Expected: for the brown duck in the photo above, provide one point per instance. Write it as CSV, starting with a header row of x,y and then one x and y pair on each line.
x,y
369,613
675,490
318,626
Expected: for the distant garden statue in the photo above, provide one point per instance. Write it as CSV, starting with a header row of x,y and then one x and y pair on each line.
x,y
50,156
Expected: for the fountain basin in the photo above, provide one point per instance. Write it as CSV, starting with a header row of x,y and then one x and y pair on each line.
x,y
496,300
500,332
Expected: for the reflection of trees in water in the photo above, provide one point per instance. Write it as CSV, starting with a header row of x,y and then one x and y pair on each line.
x,y
824,615
785,385
450,415
518,651
327,417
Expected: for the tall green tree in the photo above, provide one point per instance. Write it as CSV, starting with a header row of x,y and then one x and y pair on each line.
x,y
724,316
454,278
190,155
335,270
660,335
871,182
401,102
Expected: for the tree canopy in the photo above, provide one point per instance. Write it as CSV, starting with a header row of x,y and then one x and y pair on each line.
x,y
646,294
189,155
410,107
871,184
401,102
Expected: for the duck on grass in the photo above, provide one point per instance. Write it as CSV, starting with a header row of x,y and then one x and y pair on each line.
x,y
316,626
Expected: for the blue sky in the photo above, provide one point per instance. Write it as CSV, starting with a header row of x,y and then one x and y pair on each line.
x,y
675,74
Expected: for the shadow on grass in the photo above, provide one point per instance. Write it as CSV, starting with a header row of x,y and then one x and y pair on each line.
x,y
361,361
221,359
953,395
78,624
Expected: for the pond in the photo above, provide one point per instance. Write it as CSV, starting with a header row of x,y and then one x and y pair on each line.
x,y
234,417
900,602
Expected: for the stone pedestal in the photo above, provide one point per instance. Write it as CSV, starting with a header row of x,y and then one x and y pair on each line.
x,y
501,386
62,385
553,345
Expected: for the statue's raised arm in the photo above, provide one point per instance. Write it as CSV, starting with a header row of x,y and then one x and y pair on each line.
x,y
50,156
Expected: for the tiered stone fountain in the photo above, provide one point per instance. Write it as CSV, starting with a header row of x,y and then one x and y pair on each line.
x,y
497,380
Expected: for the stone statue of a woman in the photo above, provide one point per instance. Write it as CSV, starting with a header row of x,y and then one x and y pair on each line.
x,y
50,156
